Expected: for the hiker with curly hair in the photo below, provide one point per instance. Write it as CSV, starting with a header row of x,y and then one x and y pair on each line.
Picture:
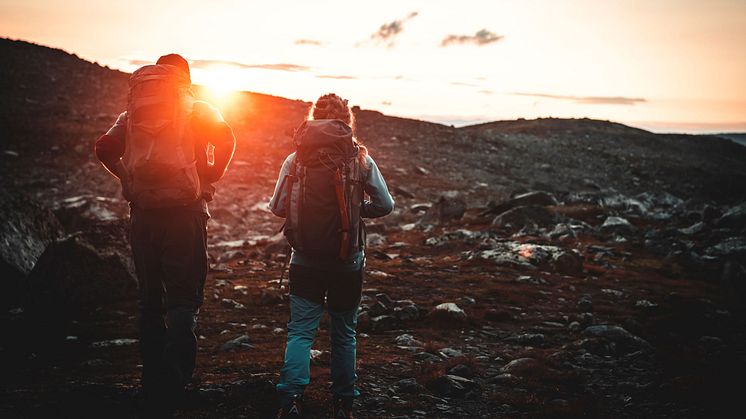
x,y
321,194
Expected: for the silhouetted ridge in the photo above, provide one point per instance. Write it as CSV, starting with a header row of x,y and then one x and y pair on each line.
x,y
543,126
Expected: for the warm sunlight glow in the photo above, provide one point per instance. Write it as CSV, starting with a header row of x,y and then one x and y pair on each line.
x,y
221,85
666,65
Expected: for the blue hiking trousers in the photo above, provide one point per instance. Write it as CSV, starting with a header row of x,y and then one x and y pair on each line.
x,y
342,291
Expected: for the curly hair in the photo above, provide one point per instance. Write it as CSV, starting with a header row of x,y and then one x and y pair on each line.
x,y
331,106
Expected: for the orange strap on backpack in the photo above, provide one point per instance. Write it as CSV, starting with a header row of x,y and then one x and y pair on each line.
x,y
344,247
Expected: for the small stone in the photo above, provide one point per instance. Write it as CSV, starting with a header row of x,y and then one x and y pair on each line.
x,y
586,319
469,301
378,309
645,304
407,340
535,339
452,385
385,299
449,311
270,296
241,342
450,353
585,304
95,363
617,225
618,335
382,323
227,302
402,191
508,380
421,170
407,313
375,240
521,366
407,385
114,343
462,371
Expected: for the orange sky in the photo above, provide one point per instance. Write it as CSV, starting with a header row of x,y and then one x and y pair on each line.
x,y
668,65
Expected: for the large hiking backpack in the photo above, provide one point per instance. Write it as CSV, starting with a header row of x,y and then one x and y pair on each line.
x,y
324,192
159,156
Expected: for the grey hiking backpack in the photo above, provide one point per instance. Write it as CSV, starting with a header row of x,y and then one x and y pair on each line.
x,y
159,156
324,192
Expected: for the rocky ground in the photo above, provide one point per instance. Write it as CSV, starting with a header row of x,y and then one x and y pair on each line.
x,y
545,268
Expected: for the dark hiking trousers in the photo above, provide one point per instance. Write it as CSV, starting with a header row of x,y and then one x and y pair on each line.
x,y
169,247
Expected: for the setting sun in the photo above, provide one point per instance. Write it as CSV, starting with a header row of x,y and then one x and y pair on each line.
x,y
220,84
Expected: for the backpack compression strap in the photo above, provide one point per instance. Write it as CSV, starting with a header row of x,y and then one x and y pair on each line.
x,y
339,187
295,189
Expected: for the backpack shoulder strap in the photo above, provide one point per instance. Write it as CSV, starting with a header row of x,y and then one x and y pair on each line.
x,y
295,188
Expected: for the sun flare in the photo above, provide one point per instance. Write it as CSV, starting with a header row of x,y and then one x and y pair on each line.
x,y
220,84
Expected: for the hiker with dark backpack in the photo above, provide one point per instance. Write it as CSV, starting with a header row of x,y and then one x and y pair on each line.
x,y
320,193
158,149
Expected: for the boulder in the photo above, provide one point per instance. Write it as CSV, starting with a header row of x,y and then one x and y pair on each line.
x,y
26,229
81,212
532,256
83,270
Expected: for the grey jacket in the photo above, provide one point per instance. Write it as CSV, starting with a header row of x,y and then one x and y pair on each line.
x,y
379,204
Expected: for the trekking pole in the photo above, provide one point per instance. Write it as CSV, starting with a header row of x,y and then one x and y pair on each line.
x,y
288,252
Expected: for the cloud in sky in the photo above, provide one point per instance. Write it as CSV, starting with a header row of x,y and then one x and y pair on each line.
x,y
461,83
589,100
482,37
236,64
388,31
277,67
329,76
141,62
308,42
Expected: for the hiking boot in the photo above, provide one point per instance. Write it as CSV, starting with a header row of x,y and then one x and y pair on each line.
x,y
292,410
342,408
